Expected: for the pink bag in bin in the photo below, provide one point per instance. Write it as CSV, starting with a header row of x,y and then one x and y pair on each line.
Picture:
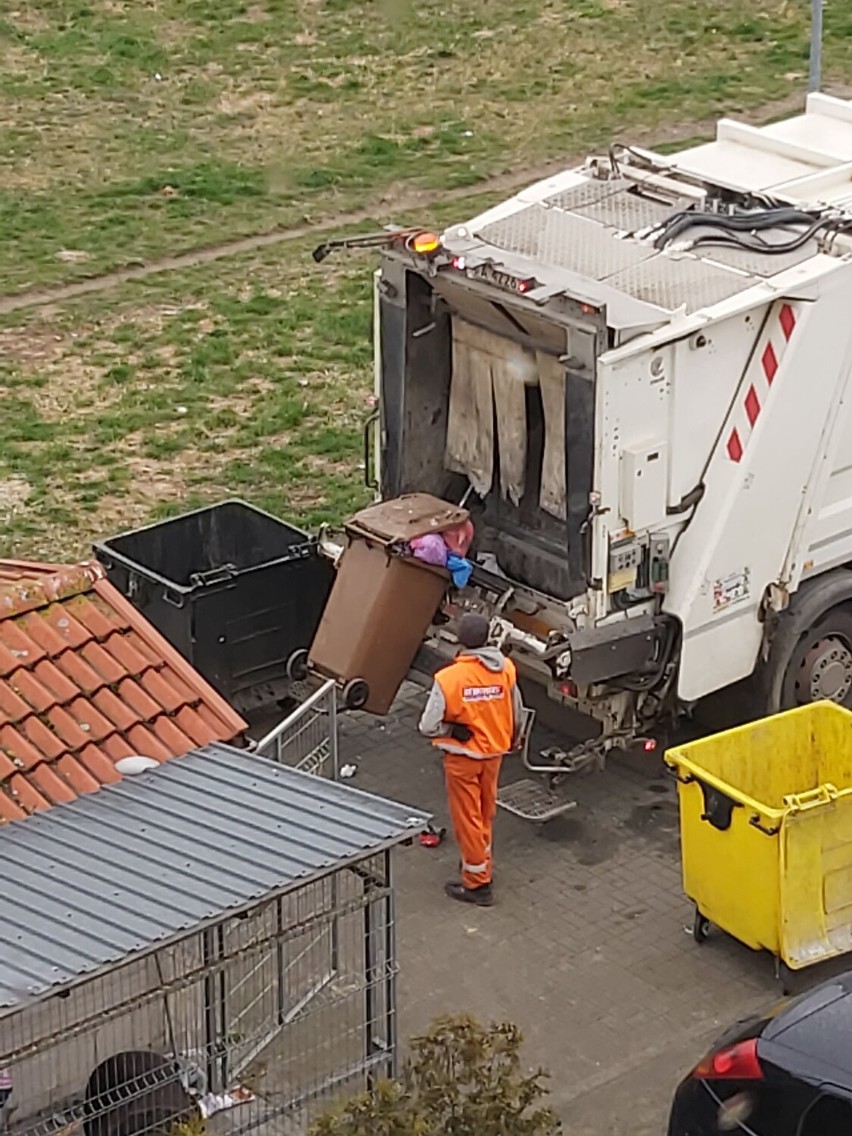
x,y
459,538
430,549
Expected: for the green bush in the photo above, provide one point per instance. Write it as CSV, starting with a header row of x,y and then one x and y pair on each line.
x,y
460,1080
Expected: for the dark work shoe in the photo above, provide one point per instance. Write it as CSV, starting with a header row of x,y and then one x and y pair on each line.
x,y
481,896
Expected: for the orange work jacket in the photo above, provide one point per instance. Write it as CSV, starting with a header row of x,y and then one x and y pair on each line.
x,y
480,699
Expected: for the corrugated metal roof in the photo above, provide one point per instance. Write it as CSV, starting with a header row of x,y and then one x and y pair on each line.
x,y
118,871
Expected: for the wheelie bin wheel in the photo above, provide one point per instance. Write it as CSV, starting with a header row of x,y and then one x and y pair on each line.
x,y
784,976
700,927
297,666
355,693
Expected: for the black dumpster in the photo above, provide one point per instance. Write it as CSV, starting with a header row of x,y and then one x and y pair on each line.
x,y
233,588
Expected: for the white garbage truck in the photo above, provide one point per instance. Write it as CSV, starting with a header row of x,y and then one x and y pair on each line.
x,y
637,375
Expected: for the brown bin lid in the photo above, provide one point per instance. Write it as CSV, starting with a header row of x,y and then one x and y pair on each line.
x,y
407,517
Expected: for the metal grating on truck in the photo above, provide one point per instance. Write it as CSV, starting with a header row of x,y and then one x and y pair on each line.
x,y
592,238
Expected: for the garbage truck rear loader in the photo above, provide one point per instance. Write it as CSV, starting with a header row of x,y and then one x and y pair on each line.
x,y
636,374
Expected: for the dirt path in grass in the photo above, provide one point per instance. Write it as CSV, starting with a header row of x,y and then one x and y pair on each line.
x,y
390,203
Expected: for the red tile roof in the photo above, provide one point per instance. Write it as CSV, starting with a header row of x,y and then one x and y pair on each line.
x,y
17,571
84,681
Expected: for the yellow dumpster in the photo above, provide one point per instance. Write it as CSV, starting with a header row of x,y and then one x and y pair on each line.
x,y
766,832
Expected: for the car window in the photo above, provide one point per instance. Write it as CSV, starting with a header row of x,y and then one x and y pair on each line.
x,y
824,1037
827,1116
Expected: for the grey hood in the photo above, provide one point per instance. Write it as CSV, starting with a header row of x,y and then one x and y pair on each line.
x,y
491,657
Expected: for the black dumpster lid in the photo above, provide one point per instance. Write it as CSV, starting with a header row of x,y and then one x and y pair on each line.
x,y
407,517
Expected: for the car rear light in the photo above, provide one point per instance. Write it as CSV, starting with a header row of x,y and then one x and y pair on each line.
x,y
734,1063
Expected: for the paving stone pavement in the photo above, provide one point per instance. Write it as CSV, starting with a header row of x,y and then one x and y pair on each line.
x,y
588,948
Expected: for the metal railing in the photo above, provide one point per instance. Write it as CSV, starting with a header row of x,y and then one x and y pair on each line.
x,y
259,1020
307,739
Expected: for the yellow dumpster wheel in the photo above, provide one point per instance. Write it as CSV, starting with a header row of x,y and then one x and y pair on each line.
x,y
784,976
701,930
700,927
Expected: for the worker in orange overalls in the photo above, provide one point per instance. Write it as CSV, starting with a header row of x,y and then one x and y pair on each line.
x,y
474,715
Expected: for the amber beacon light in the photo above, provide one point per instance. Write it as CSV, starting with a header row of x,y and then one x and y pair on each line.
x,y
424,244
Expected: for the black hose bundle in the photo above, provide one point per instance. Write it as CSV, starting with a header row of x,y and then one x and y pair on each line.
x,y
740,230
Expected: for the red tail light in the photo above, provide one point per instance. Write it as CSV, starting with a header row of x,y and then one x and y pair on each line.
x,y
735,1063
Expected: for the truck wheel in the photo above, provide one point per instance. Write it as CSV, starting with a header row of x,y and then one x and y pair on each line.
x,y
810,652
821,665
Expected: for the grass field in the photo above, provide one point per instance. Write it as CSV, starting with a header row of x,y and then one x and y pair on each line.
x,y
249,377
245,379
134,129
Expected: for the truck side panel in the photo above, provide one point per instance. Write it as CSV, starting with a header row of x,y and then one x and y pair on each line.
x,y
738,541
827,539
707,368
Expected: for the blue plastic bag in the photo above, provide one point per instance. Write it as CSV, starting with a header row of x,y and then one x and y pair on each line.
x,y
460,569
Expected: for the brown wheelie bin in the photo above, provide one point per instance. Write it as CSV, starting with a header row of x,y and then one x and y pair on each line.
x,y
382,603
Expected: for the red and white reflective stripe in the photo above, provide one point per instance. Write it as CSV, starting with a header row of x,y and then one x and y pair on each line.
x,y
782,324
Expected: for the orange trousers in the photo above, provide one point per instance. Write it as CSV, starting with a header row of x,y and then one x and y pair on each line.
x,y
472,799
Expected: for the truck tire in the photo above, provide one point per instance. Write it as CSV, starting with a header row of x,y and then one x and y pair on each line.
x,y
810,654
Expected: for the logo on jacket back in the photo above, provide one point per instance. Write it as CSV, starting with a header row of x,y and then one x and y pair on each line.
x,y
481,693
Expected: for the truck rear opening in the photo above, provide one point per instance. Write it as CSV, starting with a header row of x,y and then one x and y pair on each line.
x,y
496,402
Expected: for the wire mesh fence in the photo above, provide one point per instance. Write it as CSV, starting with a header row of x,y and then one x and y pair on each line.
x,y
307,739
253,1023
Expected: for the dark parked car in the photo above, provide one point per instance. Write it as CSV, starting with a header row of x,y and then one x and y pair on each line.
x,y
785,1073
